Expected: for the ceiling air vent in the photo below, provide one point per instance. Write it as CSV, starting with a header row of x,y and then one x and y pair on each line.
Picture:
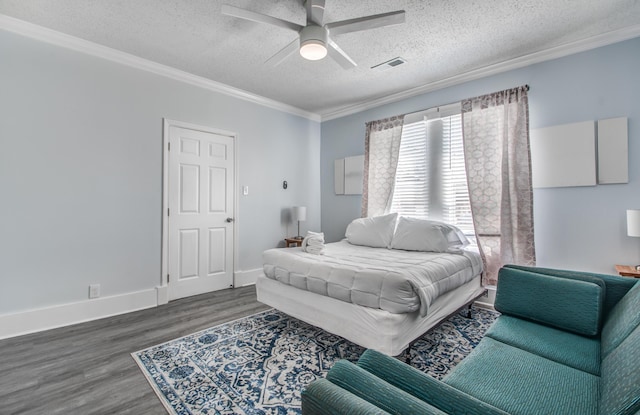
x,y
389,64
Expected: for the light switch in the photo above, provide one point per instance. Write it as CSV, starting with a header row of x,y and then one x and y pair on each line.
x,y
245,190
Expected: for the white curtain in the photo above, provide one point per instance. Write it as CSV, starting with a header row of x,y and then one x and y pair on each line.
x,y
382,145
498,163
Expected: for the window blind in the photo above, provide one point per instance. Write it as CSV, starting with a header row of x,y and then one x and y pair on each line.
x,y
411,189
431,181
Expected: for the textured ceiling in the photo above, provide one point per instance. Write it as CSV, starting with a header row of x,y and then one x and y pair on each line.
x,y
440,39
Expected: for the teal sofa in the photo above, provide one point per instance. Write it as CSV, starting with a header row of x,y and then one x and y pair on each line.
x,y
565,343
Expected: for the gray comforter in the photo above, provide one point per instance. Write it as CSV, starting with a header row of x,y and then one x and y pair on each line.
x,y
393,280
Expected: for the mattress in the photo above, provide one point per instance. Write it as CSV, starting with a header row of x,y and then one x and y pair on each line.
x,y
393,280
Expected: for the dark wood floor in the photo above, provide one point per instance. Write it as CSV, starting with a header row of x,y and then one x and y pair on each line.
x,y
87,368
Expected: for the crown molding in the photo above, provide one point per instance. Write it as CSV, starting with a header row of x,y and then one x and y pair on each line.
x,y
53,37
80,45
520,62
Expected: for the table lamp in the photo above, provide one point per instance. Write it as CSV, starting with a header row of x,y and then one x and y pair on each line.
x,y
299,213
633,225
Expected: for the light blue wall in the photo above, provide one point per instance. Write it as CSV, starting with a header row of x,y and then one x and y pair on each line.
x,y
81,172
578,228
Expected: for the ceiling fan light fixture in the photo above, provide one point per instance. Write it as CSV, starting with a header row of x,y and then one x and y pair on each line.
x,y
313,50
313,39
313,42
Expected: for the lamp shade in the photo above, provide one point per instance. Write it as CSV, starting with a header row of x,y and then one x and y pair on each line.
x,y
633,222
299,213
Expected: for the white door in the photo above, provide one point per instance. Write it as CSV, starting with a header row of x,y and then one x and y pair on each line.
x,y
200,216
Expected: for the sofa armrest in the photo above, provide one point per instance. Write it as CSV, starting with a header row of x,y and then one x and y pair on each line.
x,y
376,391
424,387
322,397
572,304
616,287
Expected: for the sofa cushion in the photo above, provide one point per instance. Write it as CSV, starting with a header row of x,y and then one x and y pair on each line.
x,y
615,287
560,346
322,397
622,320
376,391
545,299
522,383
620,381
423,386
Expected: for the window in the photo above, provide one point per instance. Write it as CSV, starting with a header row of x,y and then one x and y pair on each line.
x,y
431,181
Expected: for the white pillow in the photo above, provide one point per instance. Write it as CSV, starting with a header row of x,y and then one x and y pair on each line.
x,y
419,235
457,239
428,235
375,232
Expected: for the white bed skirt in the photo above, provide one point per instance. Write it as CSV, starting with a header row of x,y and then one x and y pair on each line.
x,y
368,327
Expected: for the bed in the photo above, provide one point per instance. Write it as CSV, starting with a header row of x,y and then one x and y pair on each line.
x,y
368,289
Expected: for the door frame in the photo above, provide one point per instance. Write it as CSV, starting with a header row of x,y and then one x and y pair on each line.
x,y
163,290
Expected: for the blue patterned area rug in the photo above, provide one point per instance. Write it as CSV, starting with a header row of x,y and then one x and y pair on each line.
x,y
260,364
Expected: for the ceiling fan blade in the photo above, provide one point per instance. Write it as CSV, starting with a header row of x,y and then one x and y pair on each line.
x,y
338,55
315,11
284,53
366,23
260,18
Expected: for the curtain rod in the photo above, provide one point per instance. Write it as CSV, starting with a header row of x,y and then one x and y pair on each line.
x,y
526,87
437,107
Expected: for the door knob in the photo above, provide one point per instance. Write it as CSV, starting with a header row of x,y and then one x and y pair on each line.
x,y
229,220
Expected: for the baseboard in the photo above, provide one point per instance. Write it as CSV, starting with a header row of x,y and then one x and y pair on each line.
x,y
489,300
18,324
486,306
242,278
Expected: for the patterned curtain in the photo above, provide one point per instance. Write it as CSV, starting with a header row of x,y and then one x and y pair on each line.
x,y
498,163
381,148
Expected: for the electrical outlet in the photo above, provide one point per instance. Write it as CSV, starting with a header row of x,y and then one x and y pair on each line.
x,y
94,290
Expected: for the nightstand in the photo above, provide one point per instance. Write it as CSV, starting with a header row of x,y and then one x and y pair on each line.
x,y
289,242
628,271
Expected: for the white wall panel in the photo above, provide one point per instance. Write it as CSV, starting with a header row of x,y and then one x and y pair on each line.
x,y
338,176
353,175
613,151
564,155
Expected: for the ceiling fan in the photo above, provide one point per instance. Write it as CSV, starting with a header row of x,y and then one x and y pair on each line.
x,y
314,38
